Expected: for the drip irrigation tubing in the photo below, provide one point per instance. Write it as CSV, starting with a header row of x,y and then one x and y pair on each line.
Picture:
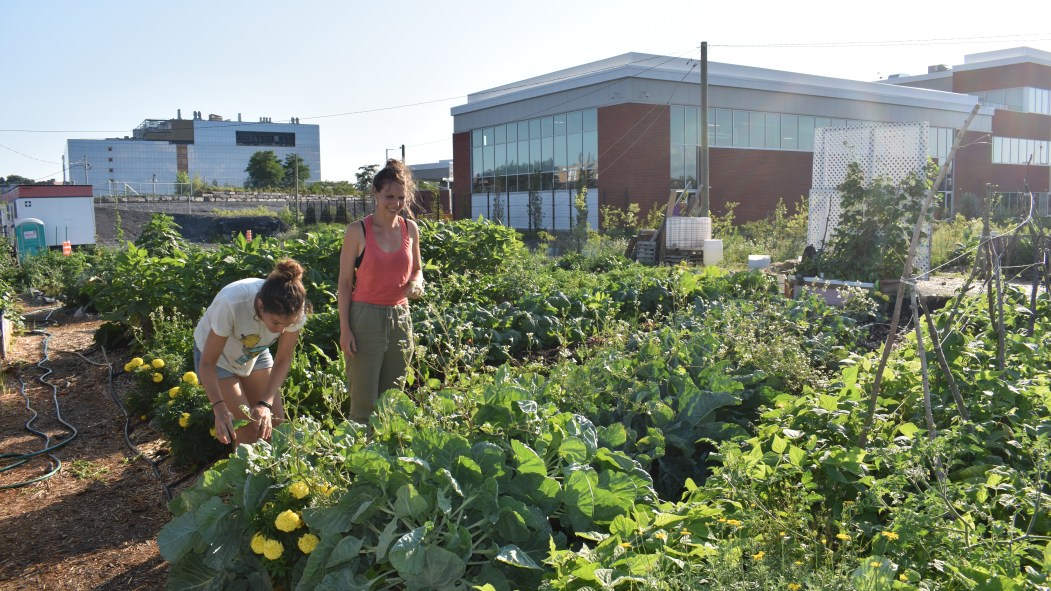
x,y
14,460
155,466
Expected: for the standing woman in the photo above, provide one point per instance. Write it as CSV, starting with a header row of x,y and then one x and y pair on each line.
x,y
231,350
379,272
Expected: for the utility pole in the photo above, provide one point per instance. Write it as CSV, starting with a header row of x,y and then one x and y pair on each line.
x,y
705,195
403,153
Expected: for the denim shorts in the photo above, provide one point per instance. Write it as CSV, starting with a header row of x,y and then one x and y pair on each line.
x,y
263,361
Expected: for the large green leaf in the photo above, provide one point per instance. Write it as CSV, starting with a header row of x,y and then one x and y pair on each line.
x,y
213,518
580,498
257,488
528,460
178,537
441,571
540,490
191,574
371,466
346,550
513,555
407,553
409,504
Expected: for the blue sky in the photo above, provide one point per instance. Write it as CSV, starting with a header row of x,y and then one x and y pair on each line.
x,y
376,75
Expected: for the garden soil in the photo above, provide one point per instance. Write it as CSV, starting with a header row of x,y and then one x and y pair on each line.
x,y
93,524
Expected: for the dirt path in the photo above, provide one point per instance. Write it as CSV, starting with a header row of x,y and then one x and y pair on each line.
x,y
93,524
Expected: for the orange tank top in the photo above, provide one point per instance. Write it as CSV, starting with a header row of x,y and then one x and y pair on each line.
x,y
382,276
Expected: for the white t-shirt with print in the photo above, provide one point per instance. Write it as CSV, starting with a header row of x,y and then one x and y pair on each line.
x,y
232,314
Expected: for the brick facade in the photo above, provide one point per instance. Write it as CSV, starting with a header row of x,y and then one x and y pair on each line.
x,y
757,179
634,162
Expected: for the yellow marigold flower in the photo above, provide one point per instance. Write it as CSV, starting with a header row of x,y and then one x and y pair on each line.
x,y
143,367
874,563
171,402
903,577
258,543
190,378
157,378
272,549
794,587
625,545
128,367
799,562
174,392
299,490
288,520
759,555
843,536
136,362
157,363
661,535
307,543
184,420
327,489
733,522
889,535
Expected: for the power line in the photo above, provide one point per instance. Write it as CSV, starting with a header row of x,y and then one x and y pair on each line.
x,y
899,42
27,155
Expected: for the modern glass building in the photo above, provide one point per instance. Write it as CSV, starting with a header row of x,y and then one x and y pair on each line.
x,y
629,127
214,150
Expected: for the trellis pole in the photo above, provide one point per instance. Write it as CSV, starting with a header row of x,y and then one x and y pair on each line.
x,y
907,276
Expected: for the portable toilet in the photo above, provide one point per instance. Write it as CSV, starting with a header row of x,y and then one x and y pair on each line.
x,y
29,237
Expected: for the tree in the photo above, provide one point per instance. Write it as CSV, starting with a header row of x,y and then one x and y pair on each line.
x,y
364,178
15,179
264,170
580,203
292,163
182,183
535,207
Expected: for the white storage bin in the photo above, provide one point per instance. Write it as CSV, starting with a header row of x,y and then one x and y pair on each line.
x,y
713,252
758,261
687,233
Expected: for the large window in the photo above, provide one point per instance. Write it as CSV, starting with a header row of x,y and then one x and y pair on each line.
x,y
266,138
1012,150
1025,99
550,152
734,128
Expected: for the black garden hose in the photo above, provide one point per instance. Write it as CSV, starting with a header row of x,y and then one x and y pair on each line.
x,y
13,460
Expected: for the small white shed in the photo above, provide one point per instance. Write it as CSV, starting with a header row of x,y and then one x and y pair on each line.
x,y
67,211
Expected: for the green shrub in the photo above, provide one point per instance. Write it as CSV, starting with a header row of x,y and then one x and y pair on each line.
x,y
782,235
875,228
160,236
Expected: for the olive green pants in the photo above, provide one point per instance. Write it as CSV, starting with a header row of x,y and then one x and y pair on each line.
x,y
384,340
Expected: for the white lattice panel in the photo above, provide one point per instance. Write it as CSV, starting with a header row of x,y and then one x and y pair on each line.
x,y
887,150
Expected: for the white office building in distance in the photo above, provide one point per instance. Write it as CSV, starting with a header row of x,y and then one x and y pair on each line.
x,y
215,150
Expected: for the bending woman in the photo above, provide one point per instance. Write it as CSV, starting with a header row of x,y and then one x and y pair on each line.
x,y
379,271
231,350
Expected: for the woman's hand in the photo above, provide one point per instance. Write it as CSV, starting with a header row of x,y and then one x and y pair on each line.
x,y
414,290
224,424
347,343
263,418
